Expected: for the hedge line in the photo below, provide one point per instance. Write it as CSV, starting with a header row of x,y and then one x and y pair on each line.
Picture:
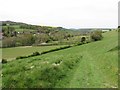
x,y
44,52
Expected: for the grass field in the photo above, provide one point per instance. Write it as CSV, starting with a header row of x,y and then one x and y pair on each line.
x,y
92,65
11,53
18,29
21,30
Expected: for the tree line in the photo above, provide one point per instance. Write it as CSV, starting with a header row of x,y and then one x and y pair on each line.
x,y
40,34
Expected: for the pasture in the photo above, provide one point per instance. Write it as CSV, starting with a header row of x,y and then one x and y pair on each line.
x,y
92,65
11,53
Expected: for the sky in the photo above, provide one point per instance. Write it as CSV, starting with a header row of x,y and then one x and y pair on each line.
x,y
64,13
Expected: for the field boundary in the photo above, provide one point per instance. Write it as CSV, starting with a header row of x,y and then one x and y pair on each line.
x,y
45,52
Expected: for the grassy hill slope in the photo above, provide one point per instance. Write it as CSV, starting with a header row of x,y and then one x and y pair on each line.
x,y
92,65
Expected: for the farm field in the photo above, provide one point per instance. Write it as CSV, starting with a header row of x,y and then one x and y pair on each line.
x,y
11,53
92,65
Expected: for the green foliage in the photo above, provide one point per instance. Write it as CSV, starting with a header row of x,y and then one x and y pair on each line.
x,y
34,54
96,35
44,52
78,44
9,42
26,39
52,50
83,39
34,35
42,38
9,31
21,40
21,57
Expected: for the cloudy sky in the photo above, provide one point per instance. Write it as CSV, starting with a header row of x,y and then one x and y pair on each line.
x,y
65,13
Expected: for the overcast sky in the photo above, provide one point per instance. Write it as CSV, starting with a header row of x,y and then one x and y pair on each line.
x,y
65,13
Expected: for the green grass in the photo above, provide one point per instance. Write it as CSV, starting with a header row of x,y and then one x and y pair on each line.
x,y
10,53
15,26
18,29
91,65
21,30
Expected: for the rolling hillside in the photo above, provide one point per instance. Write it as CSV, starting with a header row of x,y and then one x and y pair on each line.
x,y
92,65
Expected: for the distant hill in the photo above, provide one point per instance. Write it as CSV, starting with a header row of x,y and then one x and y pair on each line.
x,y
11,23
39,34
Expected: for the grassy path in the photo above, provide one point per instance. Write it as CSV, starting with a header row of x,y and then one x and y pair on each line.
x,y
85,75
98,67
91,74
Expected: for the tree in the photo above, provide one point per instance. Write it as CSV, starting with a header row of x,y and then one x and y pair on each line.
x,y
8,31
96,35
9,42
83,39
41,38
26,39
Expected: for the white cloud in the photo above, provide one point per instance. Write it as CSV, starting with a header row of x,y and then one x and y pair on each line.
x,y
66,13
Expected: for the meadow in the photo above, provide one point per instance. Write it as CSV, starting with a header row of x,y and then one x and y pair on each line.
x,y
91,65
12,53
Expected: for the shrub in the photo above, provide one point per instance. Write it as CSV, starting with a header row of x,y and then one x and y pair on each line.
x,y
96,35
79,44
44,52
21,57
34,54
52,50
9,42
4,61
83,39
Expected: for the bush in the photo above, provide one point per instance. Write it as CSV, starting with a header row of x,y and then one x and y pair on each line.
x,y
83,39
44,52
4,61
96,35
52,50
79,44
21,57
34,54
9,42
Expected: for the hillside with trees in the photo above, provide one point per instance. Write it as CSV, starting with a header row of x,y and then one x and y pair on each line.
x,y
21,34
